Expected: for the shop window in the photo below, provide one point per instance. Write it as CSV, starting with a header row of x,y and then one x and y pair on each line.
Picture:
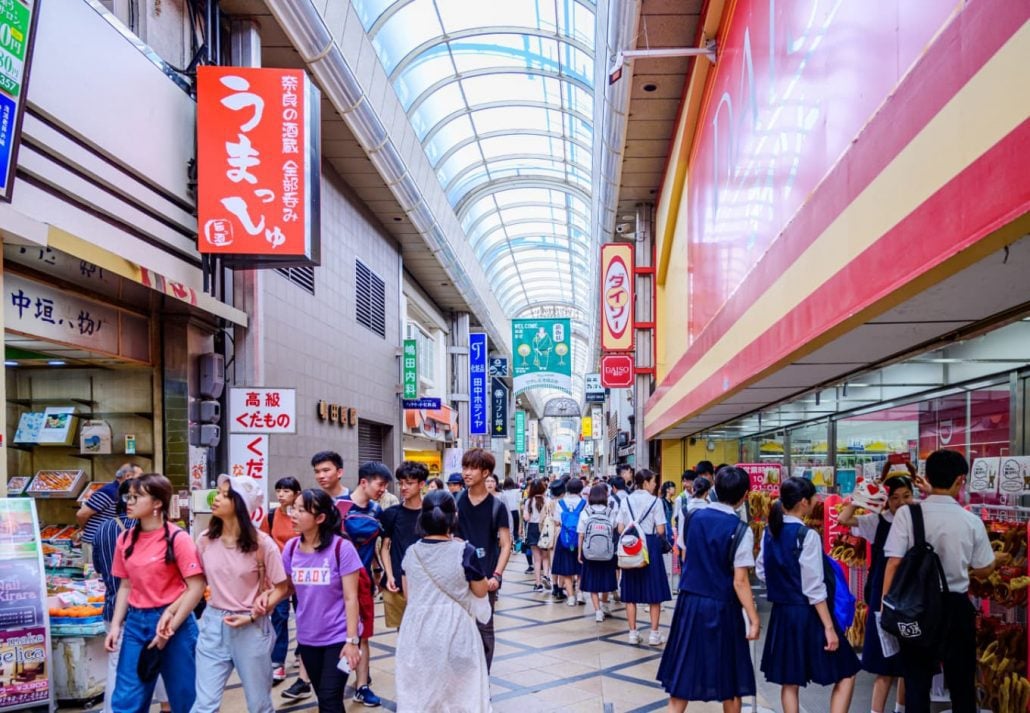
x,y
370,302
871,437
763,449
303,277
810,445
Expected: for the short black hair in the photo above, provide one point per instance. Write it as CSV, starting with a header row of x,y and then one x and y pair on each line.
x,y
330,456
574,486
688,475
411,470
374,470
944,467
705,467
731,485
288,483
618,482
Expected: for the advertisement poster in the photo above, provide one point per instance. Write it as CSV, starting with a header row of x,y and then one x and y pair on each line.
x,y
765,477
543,358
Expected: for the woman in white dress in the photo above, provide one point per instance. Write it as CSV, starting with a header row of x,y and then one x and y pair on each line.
x,y
440,664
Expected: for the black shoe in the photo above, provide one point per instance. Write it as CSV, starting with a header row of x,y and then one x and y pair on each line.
x,y
529,570
299,689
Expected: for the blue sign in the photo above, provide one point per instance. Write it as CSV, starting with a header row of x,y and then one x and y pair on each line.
x,y
8,112
424,404
499,408
479,414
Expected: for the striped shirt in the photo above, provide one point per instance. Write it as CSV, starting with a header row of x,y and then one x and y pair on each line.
x,y
102,502
105,542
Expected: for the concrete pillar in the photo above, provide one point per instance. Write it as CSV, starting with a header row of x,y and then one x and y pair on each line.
x,y
459,352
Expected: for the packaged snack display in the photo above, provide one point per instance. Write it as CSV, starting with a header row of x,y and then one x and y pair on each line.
x,y
57,484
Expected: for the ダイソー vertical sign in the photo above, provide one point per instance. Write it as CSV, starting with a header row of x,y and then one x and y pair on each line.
x,y
258,165
617,297
410,369
479,422
18,20
543,355
254,409
520,431
498,408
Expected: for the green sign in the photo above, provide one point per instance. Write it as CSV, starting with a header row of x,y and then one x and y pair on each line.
x,y
543,354
410,369
520,431
15,19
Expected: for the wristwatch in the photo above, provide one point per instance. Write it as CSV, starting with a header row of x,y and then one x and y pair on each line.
x,y
353,640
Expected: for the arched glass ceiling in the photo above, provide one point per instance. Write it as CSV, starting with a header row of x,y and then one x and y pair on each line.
x,y
500,94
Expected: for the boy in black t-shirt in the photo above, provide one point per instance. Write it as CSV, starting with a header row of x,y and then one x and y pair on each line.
x,y
398,535
483,522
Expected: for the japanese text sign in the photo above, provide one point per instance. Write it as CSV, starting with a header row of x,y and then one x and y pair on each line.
x,y
248,458
410,369
617,297
765,477
498,366
617,371
498,408
543,354
595,391
478,420
520,431
532,437
39,310
255,409
257,155
18,20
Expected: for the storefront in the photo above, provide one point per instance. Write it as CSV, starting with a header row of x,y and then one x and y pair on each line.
x,y
427,433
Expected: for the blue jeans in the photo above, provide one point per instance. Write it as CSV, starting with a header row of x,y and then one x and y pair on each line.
x,y
220,649
178,664
281,625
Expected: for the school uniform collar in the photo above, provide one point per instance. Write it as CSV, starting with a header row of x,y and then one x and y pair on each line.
x,y
791,518
944,499
722,507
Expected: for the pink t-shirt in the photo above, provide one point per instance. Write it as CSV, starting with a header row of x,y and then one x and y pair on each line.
x,y
233,575
154,582
318,580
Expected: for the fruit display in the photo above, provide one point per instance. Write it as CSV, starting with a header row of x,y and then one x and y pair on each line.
x,y
57,484
1007,584
80,612
1001,655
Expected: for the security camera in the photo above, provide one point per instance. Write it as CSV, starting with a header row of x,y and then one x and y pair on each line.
x,y
623,228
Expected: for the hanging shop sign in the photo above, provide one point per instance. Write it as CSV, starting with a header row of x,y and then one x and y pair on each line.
x,y
410,366
617,297
18,20
24,626
617,371
258,165
425,403
586,427
498,366
254,409
337,414
479,422
498,408
520,431
532,437
594,389
543,354
248,458
598,420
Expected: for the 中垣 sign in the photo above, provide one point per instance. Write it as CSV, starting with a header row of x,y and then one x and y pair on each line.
x,y
254,409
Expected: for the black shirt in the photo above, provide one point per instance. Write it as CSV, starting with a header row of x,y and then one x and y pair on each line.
x,y
480,525
399,525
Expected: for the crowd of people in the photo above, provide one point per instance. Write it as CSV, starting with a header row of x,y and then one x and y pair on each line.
x,y
183,615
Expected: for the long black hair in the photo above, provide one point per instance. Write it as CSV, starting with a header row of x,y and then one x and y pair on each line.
x,y
439,514
158,487
792,492
248,538
318,502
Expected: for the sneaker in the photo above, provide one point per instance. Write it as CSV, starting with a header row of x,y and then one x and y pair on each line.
x,y
529,570
570,601
634,637
538,589
606,608
278,675
654,638
580,599
365,695
299,689
559,596
547,579
598,616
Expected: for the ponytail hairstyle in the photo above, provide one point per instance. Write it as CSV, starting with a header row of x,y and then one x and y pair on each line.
x,y
701,487
318,502
643,476
439,514
157,487
248,539
792,492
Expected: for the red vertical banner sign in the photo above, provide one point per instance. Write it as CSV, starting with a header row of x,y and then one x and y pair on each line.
x,y
617,297
258,166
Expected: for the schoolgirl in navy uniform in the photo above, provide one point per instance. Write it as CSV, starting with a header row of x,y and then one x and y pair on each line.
x,y
804,643
875,527
646,585
707,657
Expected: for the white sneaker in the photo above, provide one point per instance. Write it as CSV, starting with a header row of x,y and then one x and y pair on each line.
x,y
580,599
654,638
634,637
571,601
598,616
606,608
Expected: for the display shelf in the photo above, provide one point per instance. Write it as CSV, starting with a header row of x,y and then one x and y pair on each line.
x,y
53,402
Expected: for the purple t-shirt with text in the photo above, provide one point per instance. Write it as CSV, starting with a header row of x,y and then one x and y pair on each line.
x,y
318,580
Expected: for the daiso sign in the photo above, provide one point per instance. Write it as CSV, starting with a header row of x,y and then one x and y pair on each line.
x,y
617,371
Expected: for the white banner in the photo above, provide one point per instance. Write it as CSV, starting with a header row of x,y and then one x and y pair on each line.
x,y
255,409
533,438
248,458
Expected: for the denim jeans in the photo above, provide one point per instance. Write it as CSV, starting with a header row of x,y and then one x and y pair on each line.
x,y
220,648
112,675
178,664
281,626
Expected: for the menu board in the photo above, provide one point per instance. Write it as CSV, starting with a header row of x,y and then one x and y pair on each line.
x,y
24,626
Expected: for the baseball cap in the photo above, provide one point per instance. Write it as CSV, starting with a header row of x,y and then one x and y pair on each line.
x,y
455,478
246,488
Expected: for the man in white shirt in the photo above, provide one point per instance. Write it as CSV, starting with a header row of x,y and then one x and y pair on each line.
x,y
960,540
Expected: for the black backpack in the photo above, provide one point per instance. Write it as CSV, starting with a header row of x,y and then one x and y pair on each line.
x,y
913,609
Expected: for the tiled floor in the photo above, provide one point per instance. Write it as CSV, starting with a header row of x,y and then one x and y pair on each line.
x,y
551,657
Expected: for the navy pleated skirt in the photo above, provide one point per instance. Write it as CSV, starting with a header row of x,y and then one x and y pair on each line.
x,y
873,660
647,585
564,562
598,576
794,653
707,656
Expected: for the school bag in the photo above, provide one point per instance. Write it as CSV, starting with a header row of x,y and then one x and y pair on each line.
x,y
599,537
359,527
567,537
913,608
546,540
632,549
838,595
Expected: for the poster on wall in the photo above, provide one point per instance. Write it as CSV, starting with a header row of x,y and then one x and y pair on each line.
x,y
765,477
543,354
983,475
1014,475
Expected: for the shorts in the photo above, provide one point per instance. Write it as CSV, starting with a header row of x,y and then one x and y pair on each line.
x,y
394,604
366,604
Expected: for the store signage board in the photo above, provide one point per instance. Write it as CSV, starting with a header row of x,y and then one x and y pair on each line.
x,y
18,20
410,369
532,438
498,366
543,354
259,409
39,310
586,427
498,408
617,371
479,422
598,419
248,458
765,477
520,431
258,166
426,403
25,644
617,297
594,391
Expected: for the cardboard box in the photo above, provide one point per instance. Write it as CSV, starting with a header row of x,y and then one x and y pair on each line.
x,y
59,424
95,437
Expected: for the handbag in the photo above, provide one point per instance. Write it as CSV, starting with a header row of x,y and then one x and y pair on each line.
x,y
479,608
547,535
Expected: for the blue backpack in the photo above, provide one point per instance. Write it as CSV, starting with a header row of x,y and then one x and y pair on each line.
x,y
838,595
568,537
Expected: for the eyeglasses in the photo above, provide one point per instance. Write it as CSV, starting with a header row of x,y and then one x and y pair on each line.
x,y
130,498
